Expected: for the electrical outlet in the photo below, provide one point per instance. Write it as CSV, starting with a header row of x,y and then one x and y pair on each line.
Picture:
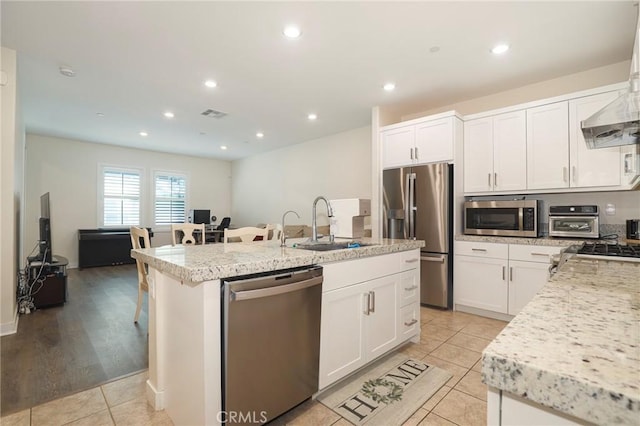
x,y
610,209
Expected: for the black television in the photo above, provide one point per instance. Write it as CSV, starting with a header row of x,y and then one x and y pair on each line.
x,y
200,216
44,243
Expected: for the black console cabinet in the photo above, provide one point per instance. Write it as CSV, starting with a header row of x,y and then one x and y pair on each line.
x,y
104,247
48,282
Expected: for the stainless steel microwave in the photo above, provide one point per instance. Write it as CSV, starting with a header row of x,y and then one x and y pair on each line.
x,y
510,218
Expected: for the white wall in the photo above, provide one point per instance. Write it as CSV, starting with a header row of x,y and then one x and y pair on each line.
x,y
596,77
69,170
266,185
10,191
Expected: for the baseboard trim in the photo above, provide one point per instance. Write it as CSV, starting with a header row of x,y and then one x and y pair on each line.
x,y
10,327
155,398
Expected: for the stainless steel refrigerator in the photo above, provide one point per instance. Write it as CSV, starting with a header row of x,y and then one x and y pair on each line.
x,y
418,204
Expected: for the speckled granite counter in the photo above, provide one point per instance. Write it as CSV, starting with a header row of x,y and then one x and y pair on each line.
x,y
212,261
542,241
576,346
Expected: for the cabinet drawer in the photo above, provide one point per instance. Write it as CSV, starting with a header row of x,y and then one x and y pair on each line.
x,y
343,274
492,250
409,322
527,253
409,288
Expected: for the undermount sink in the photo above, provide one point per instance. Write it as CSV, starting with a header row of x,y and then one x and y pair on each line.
x,y
326,246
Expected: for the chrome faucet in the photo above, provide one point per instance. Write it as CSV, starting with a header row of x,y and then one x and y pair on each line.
x,y
314,225
283,239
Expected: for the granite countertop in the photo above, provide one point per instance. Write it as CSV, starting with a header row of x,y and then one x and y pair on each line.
x,y
198,263
576,346
540,241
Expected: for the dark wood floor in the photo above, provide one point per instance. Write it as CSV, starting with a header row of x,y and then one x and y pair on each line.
x,y
88,341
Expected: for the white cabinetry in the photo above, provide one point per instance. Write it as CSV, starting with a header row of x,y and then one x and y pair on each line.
x,y
548,146
480,279
499,278
397,147
591,167
495,150
365,306
418,142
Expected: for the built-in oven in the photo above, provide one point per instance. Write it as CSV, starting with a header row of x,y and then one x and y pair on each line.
x,y
511,218
574,221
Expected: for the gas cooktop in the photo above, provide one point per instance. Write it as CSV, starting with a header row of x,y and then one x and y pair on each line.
x,y
610,250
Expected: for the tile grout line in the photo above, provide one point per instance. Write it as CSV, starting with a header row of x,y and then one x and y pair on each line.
x,y
108,405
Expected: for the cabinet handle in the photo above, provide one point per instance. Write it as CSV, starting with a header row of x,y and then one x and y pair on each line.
x,y
413,287
411,153
410,323
475,249
414,260
510,273
416,151
495,179
366,302
573,173
564,174
489,175
539,254
503,272
372,301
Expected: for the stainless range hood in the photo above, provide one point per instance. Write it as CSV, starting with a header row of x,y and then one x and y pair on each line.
x,y
619,122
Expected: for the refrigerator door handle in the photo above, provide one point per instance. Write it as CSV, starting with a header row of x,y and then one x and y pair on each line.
x,y
407,206
439,259
412,206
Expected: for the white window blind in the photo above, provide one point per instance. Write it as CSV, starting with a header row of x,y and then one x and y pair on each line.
x,y
169,205
121,198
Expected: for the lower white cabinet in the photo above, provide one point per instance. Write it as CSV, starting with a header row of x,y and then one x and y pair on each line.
x,y
525,279
481,283
366,317
500,278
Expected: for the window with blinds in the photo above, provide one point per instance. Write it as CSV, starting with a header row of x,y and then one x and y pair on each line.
x,y
170,198
121,197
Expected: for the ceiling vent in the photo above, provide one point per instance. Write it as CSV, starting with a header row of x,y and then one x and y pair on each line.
x,y
213,113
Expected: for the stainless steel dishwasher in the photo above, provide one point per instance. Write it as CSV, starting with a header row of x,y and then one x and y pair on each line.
x,y
271,343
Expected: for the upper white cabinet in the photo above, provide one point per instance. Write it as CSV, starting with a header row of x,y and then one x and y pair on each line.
x,y
434,141
495,150
397,147
422,142
591,167
548,146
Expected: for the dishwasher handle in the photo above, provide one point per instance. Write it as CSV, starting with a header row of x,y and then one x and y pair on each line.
x,y
275,290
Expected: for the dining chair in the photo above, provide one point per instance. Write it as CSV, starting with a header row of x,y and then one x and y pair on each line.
x,y
276,230
138,235
246,234
188,234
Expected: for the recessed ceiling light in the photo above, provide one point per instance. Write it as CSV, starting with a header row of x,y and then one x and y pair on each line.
x,y
500,49
434,49
389,87
210,83
143,134
292,31
67,71
223,147
312,116
100,114
169,114
259,135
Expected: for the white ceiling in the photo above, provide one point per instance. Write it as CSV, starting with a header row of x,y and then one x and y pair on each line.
x,y
134,60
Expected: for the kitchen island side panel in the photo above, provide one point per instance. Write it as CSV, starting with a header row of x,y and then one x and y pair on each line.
x,y
184,356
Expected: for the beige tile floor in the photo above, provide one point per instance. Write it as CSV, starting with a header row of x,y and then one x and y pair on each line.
x,y
450,340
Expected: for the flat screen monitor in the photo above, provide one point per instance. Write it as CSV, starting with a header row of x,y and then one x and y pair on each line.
x,y
44,206
200,216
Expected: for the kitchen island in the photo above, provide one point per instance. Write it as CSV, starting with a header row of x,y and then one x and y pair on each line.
x,y
185,309
572,355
